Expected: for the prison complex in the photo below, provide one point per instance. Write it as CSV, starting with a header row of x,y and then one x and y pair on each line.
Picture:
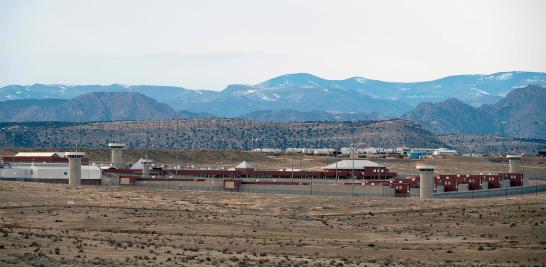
x,y
352,176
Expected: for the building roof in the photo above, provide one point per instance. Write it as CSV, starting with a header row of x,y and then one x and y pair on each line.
x,y
244,165
424,167
348,164
40,154
138,164
119,145
74,154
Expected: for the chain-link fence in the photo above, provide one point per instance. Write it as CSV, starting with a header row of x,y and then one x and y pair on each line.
x,y
497,192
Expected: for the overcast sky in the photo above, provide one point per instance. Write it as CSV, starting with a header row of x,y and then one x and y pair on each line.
x,y
210,44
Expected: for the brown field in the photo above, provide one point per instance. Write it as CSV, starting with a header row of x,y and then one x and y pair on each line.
x,y
52,225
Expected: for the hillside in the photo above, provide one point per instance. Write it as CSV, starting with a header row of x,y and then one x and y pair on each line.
x,y
233,135
521,114
102,106
217,134
306,92
451,116
475,143
290,115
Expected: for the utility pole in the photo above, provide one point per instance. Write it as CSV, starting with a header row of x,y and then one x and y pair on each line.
x,y
353,156
337,178
337,146
257,154
379,172
301,152
311,184
292,175
503,177
177,165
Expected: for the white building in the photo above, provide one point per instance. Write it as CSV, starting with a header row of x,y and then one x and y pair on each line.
x,y
293,150
444,152
40,154
49,172
323,151
359,164
268,150
345,150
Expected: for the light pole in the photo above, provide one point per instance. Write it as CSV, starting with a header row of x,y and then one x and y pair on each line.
x,y
337,146
379,171
337,178
353,156
301,152
292,174
176,149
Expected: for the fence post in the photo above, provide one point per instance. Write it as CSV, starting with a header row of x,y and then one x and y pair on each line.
x,y
506,192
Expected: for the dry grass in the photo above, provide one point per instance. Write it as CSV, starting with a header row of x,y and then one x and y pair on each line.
x,y
137,226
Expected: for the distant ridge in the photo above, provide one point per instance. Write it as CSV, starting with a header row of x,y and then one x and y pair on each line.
x,y
306,92
235,134
221,134
522,113
289,115
101,106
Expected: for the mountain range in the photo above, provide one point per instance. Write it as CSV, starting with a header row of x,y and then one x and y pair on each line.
x,y
522,113
92,107
306,92
514,112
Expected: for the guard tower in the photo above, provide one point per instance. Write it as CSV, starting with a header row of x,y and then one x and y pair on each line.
x,y
514,163
146,164
426,181
74,167
117,153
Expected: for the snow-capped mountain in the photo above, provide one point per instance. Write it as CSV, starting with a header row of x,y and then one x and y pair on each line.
x,y
306,92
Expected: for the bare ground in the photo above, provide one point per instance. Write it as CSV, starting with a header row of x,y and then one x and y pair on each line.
x,y
52,225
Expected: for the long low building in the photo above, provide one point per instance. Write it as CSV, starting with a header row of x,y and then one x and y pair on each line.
x,y
363,169
48,167
39,157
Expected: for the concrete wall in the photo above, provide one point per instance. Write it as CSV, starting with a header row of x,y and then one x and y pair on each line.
x,y
208,185
87,172
463,187
415,191
15,173
322,189
316,189
109,179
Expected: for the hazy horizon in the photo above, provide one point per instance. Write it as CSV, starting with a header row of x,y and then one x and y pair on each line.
x,y
209,44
